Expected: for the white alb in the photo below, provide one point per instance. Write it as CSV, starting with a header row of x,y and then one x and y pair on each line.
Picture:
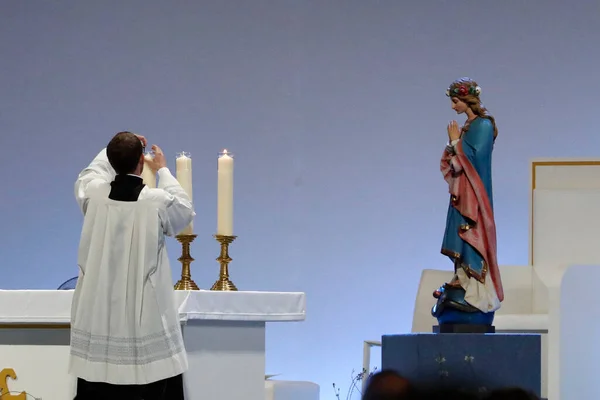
x,y
124,323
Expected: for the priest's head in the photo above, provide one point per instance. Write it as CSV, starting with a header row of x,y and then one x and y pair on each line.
x,y
125,153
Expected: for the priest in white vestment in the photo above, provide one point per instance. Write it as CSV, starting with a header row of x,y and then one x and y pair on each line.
x,y
126,340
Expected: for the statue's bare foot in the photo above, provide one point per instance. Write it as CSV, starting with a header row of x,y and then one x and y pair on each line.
x,y
455,282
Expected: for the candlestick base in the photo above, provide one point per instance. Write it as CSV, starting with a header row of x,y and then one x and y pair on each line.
x,y
224,283
186,282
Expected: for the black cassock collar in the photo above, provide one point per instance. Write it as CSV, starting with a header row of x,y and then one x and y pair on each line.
x,y
126,188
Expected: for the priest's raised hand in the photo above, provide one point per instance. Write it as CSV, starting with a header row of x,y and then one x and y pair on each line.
x,y
158,161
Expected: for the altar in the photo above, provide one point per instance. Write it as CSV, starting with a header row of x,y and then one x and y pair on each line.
x,y
224,335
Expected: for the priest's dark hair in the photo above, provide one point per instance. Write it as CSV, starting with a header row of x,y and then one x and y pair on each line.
x,y
124,151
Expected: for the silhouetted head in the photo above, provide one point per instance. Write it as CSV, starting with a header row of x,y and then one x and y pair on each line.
x,y
388,385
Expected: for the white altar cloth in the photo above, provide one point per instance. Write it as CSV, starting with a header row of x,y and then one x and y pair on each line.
x,y
224,335
54,306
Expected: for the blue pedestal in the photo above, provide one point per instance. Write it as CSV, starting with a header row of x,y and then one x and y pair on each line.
x,y
472,362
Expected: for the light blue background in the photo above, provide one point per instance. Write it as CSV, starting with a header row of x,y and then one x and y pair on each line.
x,y
336,113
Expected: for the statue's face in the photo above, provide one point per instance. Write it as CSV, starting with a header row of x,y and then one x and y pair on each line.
x,y
458,105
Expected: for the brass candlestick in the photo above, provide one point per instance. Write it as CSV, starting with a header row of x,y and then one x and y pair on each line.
x,y
223,283
186,282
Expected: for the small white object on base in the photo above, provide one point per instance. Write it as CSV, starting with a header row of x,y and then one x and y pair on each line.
x,y
291,390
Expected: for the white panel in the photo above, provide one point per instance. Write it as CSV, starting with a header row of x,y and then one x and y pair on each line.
x,y
566,227
579,332
560,174
226,359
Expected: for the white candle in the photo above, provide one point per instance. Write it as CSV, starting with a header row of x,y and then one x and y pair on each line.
x,y
184,176
225,194
148,175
